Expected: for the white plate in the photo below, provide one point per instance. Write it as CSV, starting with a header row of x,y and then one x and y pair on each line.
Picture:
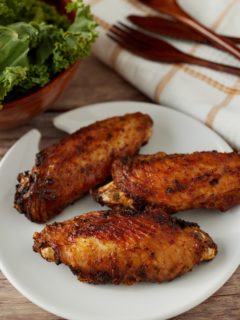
x,y
55,289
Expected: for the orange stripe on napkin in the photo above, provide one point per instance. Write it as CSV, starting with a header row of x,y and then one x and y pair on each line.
x,y
211,116
165,80
141,7
169,75
215,110
117,50
114,56
102,23
223,14
214,83
93,2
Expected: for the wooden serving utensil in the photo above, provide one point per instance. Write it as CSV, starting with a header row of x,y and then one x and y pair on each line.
x,y
155,49
173,10
174,29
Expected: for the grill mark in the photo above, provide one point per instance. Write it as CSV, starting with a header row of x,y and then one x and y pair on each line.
x,y
128,227
115,227
145,225
117,264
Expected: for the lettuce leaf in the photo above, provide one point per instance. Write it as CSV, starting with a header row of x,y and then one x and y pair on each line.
x,y
26,31
36,43
12,11
13,50
76,42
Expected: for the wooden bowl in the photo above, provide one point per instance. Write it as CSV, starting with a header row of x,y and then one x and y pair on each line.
x,y
19,111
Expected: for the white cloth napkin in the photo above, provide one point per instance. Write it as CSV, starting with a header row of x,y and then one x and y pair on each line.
x,y
207,95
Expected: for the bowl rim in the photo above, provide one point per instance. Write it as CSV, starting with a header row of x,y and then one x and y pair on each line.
x,y
13,104
40,90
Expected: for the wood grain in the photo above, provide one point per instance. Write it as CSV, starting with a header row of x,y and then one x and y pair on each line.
x,y
158,49
173,10
172,28
94,83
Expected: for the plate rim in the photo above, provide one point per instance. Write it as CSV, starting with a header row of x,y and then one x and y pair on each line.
x,y
57,121
183,308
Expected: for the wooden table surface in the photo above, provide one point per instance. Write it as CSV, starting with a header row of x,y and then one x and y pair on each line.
x,y
97,83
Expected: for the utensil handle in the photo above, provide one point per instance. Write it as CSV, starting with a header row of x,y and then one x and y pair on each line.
x,y
173,28
174,10
210,64
225,44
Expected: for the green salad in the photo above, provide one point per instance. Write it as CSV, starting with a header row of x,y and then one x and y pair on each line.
x,y
36,43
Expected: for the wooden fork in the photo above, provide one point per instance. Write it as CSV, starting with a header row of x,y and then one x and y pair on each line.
x,y
173,10
155,49
174,29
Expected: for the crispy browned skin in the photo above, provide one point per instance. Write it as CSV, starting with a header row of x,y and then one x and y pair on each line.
x,y
125,246
174,182
67,170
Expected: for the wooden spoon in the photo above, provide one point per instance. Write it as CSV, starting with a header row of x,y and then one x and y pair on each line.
x,y
172,9
173,28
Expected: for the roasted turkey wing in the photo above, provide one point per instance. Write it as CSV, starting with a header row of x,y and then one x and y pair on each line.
x,y
67,170
174,182
125,246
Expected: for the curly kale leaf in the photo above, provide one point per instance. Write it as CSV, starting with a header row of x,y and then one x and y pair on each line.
x,y
76,42
10,77
38,42
30,10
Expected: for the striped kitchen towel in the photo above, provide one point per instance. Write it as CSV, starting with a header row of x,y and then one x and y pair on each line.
x,y
207,95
